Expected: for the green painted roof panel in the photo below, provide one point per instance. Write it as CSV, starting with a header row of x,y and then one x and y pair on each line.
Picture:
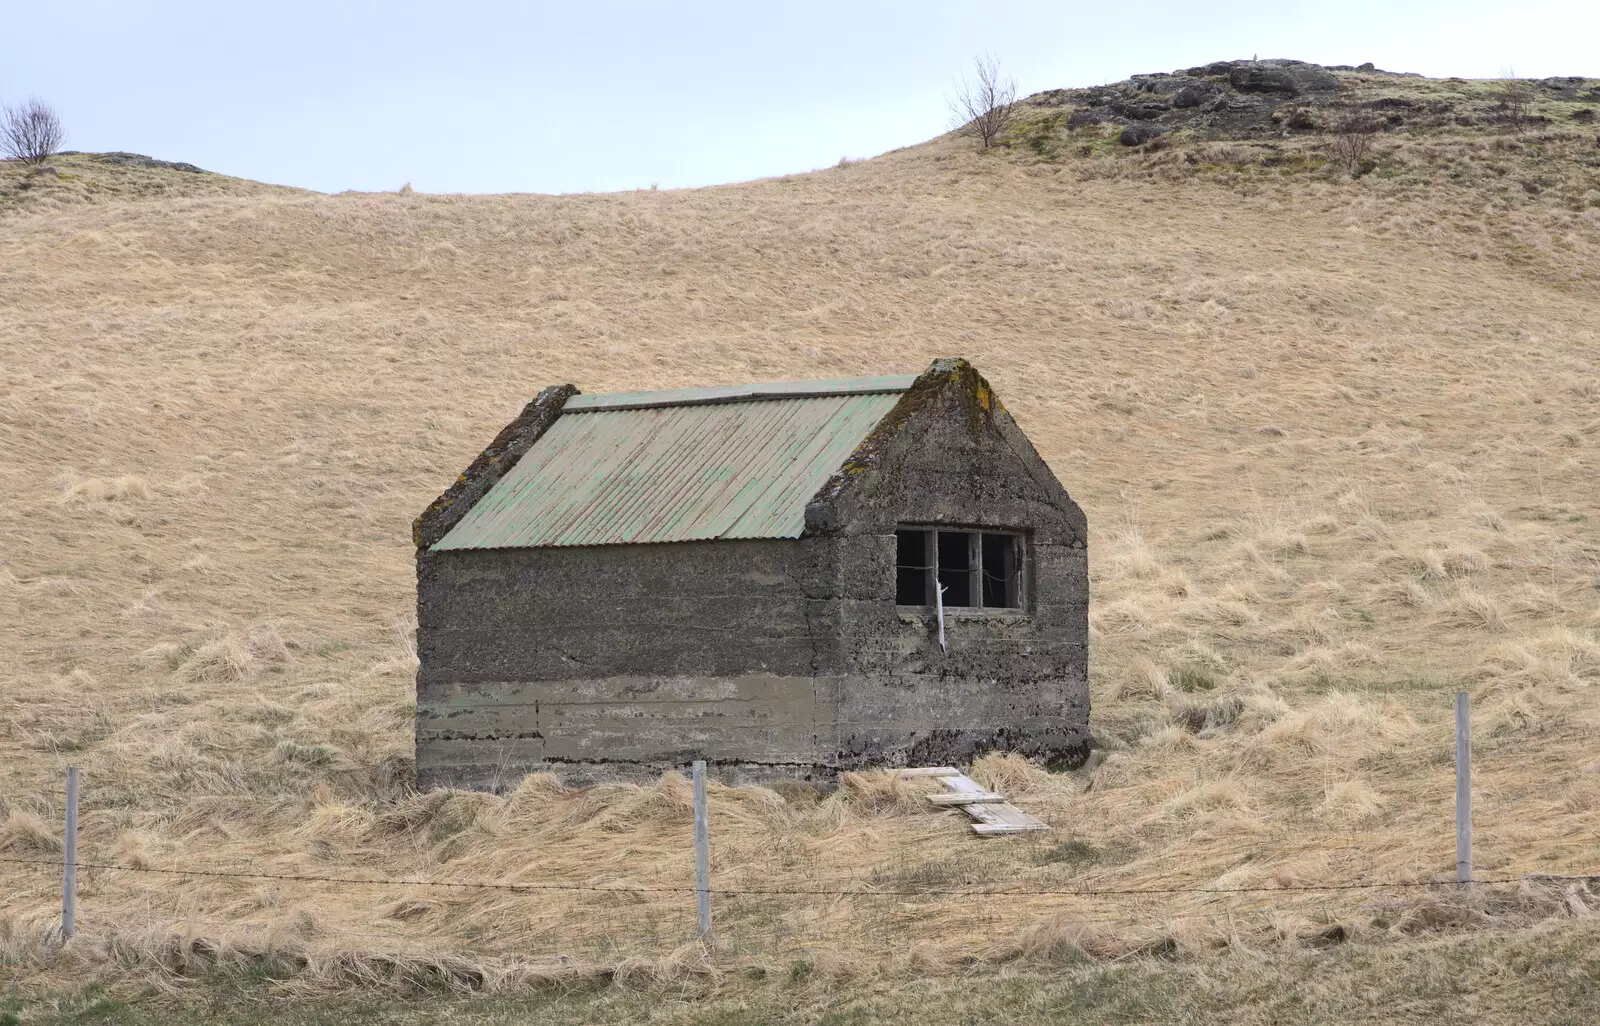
x,y
725,466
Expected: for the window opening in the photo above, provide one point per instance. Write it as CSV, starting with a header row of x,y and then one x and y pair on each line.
x,y
978,569
911,573
1000,565
955,567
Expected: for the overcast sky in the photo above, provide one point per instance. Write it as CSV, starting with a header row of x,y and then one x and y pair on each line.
x,y
482,96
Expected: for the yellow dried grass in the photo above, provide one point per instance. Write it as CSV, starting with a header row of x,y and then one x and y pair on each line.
x,y
291,492
124,488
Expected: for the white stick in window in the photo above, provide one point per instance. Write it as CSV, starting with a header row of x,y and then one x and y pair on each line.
x,y
939,604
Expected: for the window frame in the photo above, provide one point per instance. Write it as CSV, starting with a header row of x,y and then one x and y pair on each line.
x,y
1020,550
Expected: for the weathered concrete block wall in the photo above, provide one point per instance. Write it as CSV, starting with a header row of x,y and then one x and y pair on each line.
x,y
1009,680
623,661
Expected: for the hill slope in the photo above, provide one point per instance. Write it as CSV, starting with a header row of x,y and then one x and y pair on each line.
x,y
1336,439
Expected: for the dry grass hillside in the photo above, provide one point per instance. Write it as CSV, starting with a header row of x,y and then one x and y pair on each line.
x,y
1337,439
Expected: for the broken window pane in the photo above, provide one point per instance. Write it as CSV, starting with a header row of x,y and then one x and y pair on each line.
x,y
979,569
914,568
1001,579
955,567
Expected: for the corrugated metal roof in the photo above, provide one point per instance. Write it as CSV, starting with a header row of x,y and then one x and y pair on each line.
x,y
661,467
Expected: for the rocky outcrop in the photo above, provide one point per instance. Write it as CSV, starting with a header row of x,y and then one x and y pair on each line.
x,y
1272,99
1281,78
140,160
1234,98
1195,94
1139,133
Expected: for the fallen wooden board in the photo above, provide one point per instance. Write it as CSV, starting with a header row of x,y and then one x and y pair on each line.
x,y
990,829
994,815
1002,819
965,798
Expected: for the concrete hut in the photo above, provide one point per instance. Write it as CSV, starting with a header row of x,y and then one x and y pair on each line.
x,y
751,575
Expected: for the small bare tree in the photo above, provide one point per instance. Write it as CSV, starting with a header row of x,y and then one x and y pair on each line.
x,y
1352,141
1516,97
31,132
987,107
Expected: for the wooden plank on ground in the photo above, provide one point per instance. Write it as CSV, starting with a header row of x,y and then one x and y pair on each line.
x,y
993,813
986,815
965,798
1007,815
990,829
1002,819
995,818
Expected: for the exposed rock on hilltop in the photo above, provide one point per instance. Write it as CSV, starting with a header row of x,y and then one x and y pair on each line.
x,y
121,159
1245,99
1291,78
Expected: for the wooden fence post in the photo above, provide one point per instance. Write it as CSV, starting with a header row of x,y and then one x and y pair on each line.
x,y
1463,788
69,876
702,852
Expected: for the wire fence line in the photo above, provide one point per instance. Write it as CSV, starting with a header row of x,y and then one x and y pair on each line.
x,y
893,904
867,890
609,924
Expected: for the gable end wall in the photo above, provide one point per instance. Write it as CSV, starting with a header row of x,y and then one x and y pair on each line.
x,y
951,455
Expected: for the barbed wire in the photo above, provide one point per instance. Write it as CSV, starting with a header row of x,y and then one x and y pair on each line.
x,y
817,892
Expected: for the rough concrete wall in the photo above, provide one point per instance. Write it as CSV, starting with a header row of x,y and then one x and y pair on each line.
x,y
754,727
623,661
950,454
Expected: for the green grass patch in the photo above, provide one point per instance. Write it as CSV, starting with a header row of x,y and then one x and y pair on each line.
x,y
1539,977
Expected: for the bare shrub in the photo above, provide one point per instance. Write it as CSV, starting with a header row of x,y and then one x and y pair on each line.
x,y
1352,142
30,133
987,107
1515,96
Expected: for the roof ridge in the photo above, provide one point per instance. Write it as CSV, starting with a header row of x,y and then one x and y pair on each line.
x,y
768,390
